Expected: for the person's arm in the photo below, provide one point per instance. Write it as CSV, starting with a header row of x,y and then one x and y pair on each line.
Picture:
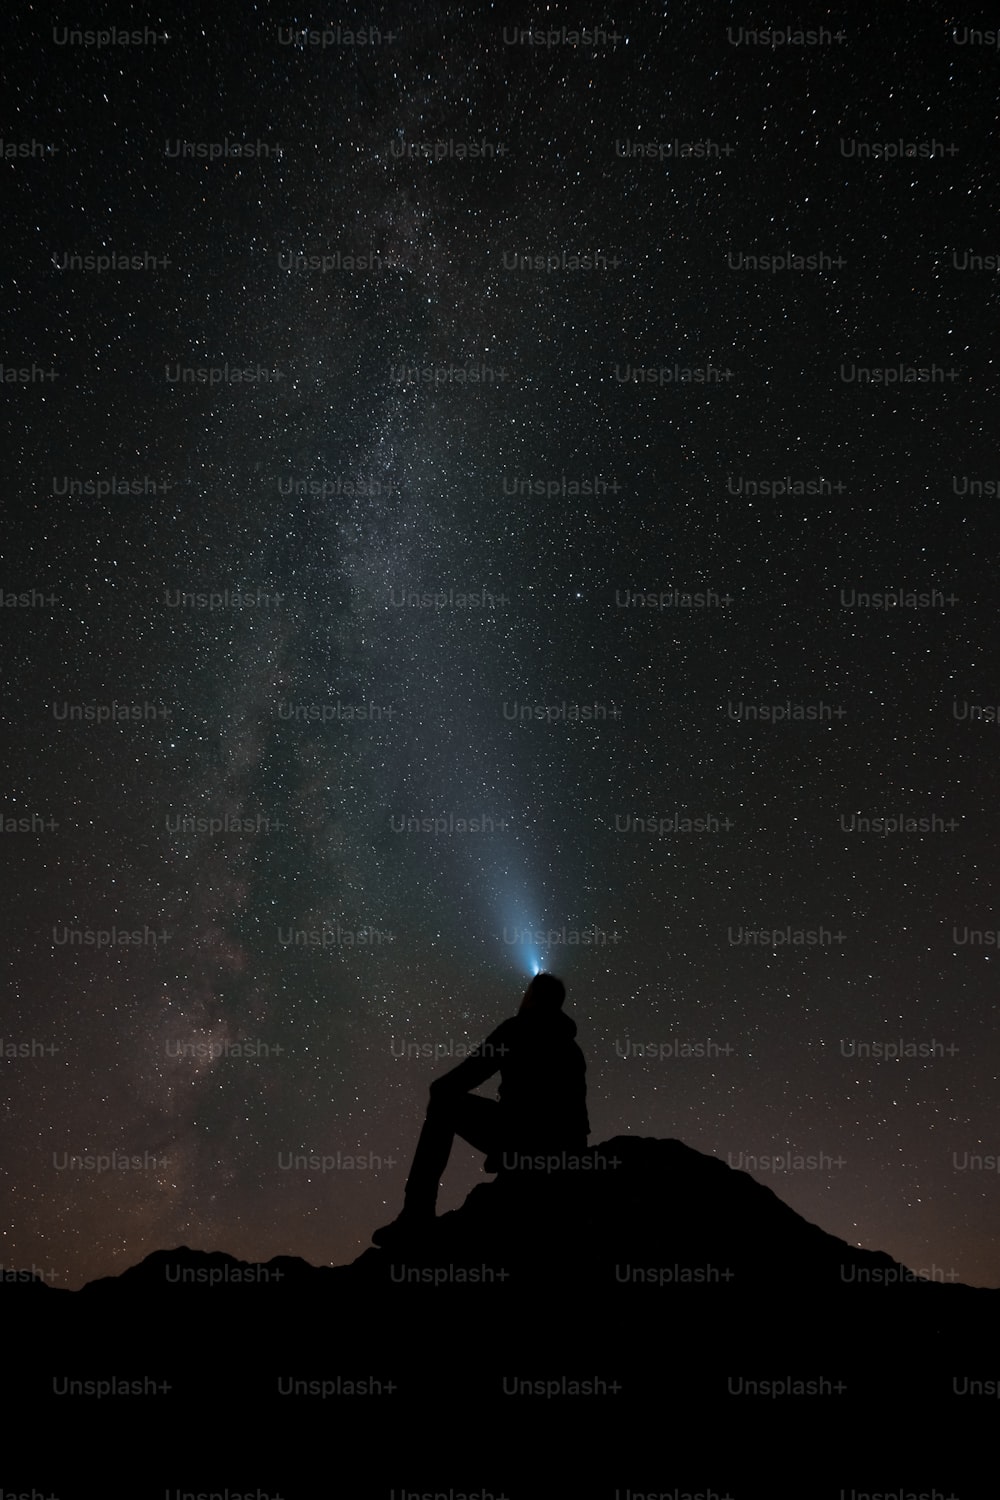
x,y
480,1064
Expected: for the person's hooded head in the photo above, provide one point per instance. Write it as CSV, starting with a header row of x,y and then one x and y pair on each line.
x,y
544,995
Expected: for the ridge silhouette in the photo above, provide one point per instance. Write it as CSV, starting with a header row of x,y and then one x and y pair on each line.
x,y
656,1266
581,1262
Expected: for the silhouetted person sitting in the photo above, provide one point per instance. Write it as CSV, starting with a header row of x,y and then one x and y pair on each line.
x,y
541,1106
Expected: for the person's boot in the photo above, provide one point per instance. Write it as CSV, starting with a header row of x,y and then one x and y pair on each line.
x,y
414,1223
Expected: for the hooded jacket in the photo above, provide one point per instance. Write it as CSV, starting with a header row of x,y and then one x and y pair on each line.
x,y
543,1084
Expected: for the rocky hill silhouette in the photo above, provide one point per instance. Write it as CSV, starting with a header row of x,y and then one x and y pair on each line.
x,y
655,1268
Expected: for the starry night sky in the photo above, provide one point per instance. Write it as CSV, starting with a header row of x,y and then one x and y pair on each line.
x,y
332,497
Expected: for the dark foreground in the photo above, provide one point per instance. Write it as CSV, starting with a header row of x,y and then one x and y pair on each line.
x,y
655,1314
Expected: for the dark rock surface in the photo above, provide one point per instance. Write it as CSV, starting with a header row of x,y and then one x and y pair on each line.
x,y
654,1278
